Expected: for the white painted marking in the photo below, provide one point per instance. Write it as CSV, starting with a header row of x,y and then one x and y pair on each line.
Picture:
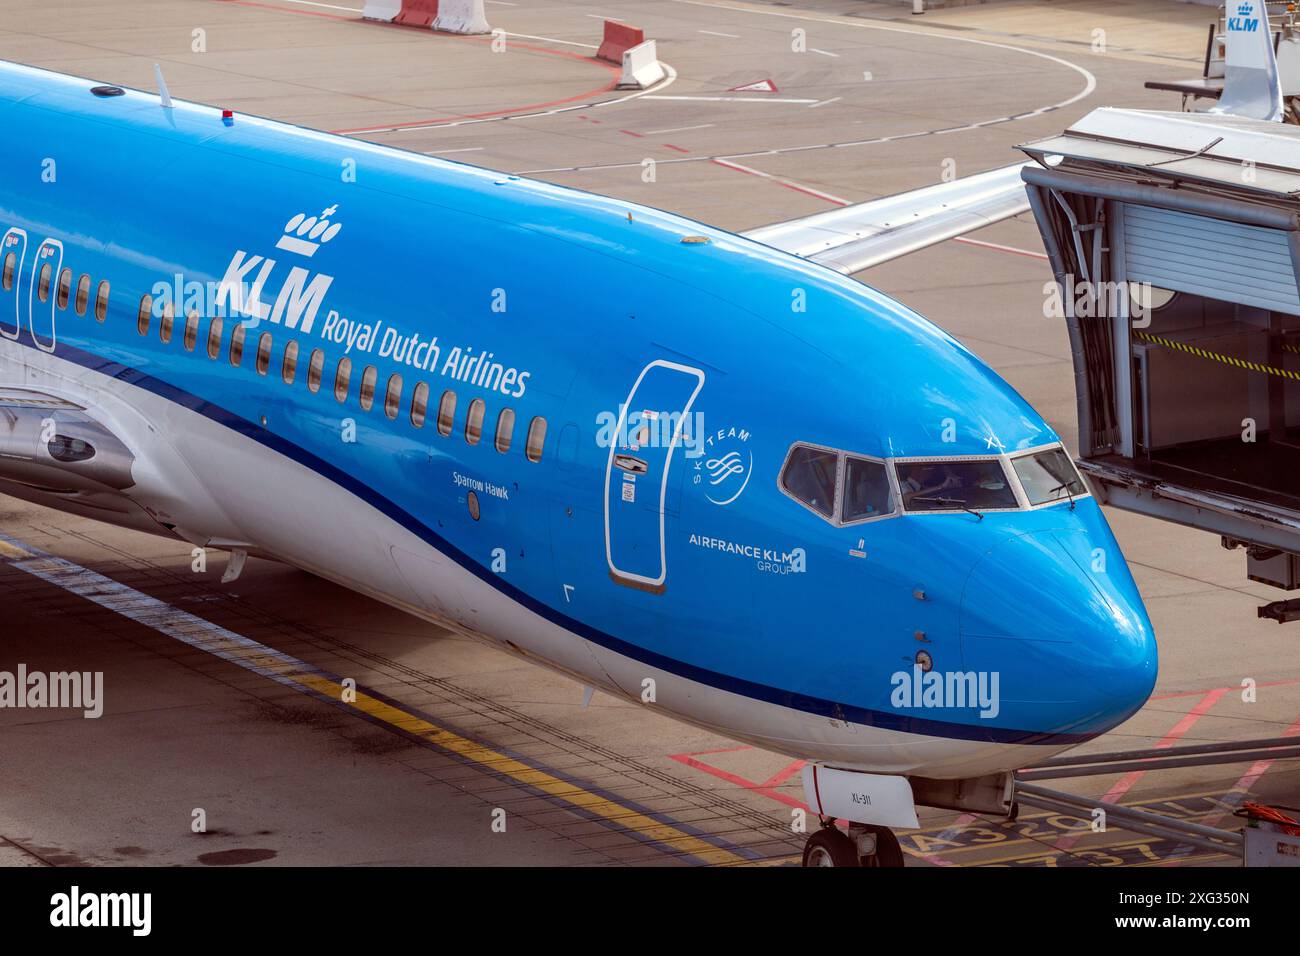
x,y
731,99
715,33
501,3
529,36
327,6
448,152
680,129
601,16
833,99
823,52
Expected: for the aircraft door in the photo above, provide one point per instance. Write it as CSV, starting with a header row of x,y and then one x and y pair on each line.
x,y
649,429
13,257
42,293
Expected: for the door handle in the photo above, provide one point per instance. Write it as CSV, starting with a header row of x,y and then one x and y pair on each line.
x,y
629,463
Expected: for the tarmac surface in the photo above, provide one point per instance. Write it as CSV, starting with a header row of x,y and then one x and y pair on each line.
x,y
445,732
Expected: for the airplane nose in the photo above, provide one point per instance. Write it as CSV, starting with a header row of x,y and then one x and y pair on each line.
x,y
1058,616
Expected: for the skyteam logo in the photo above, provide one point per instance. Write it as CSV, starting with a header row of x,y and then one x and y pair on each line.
x,y
1245,21
242,291
723,471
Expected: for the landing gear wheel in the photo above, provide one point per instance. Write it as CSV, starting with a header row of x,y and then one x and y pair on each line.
x,y
829,847
888,852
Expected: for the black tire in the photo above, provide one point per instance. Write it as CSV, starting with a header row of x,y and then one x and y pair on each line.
x,y
888,852
829,847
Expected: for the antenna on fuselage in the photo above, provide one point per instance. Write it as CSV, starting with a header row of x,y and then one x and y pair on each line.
x,y
163,94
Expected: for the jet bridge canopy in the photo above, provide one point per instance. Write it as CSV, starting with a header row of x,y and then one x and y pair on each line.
x,y
1175,243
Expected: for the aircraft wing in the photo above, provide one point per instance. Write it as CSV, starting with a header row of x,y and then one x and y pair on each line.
x,y
863,235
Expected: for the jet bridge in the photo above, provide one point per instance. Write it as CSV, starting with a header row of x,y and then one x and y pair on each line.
x,y
1175,245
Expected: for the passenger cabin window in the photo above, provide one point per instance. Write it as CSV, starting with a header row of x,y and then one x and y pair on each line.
x,y
236,343
393,396
43,283
419,404
264,353
65,288
146,312
368,379
1048,476
83,293
505,430
191,331
315,368
809,478
536,438
214,337
11,260
101,301
446,412
289,367
166,322
474,421
963,485
866,490
342,379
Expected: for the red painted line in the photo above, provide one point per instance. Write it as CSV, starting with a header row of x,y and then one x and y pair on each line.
x,y
678,148
633,133
997,246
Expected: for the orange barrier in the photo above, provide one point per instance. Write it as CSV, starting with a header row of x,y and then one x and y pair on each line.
x,y
618,40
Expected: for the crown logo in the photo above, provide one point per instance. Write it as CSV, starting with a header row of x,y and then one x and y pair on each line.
x,y
1244,10
305,234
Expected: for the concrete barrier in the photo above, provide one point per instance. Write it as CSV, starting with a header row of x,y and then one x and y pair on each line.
x,y
384,10
461,16
417,13
641,67
619,38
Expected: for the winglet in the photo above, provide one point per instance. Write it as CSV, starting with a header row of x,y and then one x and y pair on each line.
x,y
1251,85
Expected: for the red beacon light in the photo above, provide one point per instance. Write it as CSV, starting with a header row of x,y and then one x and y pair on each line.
x,y
228,117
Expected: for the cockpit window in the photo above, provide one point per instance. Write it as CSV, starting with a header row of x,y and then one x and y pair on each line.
x,y
809,477
967,485
866,490
1048,476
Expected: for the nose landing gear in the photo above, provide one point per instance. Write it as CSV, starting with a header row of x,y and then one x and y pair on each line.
x,y
863,845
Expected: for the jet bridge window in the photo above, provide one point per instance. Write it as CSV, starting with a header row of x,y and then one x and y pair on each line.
x,y
1048,476
83,293
809,478
214,336
393,395
368,379
264,353
955,485
343,379
474,421
446,412
505,429
289,366
419,404
146,312
65,287
101,301
43,283
236,342
536,438
866,490
10,261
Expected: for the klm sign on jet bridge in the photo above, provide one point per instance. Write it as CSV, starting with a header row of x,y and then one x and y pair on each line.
x,y
1244,22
